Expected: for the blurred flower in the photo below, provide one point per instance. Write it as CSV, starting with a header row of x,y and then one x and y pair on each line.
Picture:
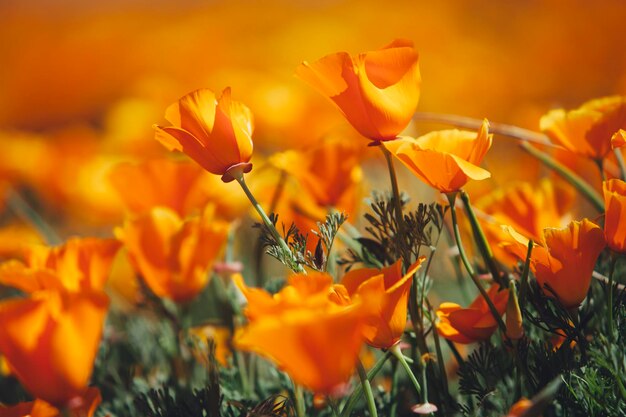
x,y
181,186
82,406
219,335
174,256
376,91
15,238
216,133
563,260
618,139
315,340
528,208
587,130
615,216
50,340
79,264
518,409
386,324
445,159
472,324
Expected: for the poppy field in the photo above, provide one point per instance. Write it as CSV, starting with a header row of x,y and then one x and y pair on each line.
x,y
216,209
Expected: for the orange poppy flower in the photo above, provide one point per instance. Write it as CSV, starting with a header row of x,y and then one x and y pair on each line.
x,y
83,406
528,208
618,140
446,159
386,324
79,264
472,324
51,339
376,91
563,260
315,340
214,132
615,216
180,185
587,130
172,255
519,408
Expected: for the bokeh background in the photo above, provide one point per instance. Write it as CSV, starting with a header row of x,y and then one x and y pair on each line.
x,y
82,82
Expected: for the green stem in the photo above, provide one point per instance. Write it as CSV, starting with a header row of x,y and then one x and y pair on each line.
x,y
393,392
468,266
481,239
298,397
24,211
333,406
395,351
243,374
268,223
358,391
442,366
367,389
398,207
581,185
620,162
600,165
610,295
525,273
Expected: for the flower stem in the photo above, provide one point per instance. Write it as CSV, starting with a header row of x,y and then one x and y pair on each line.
x,y
620,161
358,391
523,288
25,212
298,396
614,258
581,185
395,351
268,223
481,239
367,389
400,238
468,266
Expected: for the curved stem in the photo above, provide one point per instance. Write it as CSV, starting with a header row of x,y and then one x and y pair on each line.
x,y
481,239
581,185
367,389
395,351
268,223
358,391
468,266
620,161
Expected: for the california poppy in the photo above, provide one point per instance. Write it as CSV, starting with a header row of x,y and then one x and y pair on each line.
x,y
615,216
172,255
50,340
315,340
446,159
563,260
83,405
472,324
386,324
182,186
214,132
376,91
587,130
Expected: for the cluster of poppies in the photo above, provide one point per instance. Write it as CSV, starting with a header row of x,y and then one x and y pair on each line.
x,y
180,215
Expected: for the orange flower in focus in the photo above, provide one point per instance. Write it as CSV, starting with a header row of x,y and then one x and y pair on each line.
x,y
446,159
82,406
587,130
563,260
182,186
214,132
615,216
376,91
172,255
315,340
472,324
386,324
